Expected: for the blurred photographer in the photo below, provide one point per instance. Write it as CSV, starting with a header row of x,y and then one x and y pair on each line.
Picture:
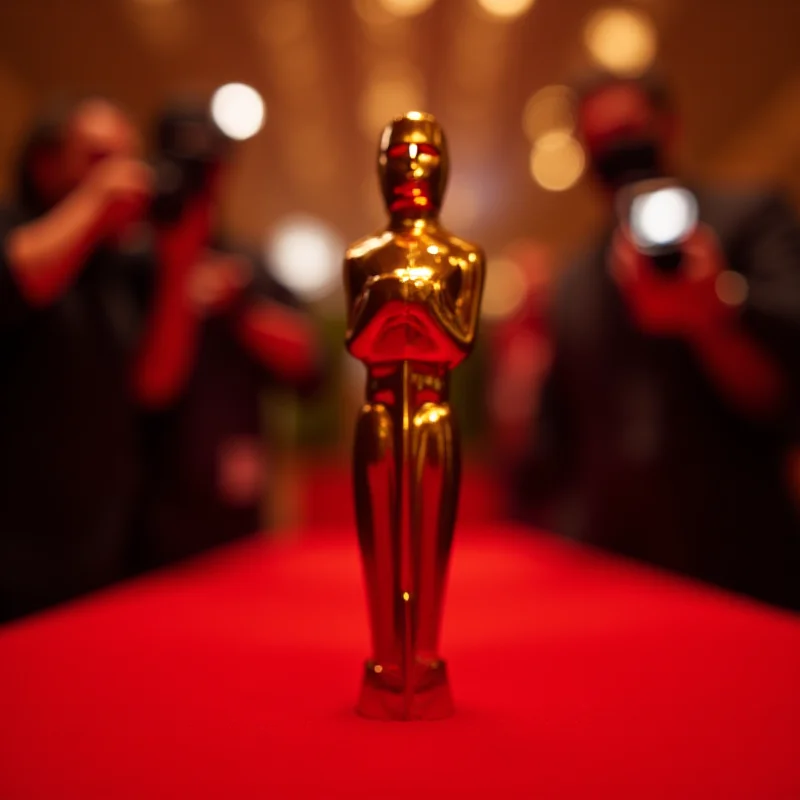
x,y
74,283
228,332
673,398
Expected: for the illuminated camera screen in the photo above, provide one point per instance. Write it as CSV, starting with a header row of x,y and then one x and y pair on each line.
x,y
663,217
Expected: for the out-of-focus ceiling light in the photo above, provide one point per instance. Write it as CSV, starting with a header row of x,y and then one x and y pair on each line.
x,y
305,254
731,287
372,13
622,40
557,161
506,9
505,289
406,8
392,90
549,109
238,110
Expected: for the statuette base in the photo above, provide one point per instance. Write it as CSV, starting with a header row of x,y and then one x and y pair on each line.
x,y
384,697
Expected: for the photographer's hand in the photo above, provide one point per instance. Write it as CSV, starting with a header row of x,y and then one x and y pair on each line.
x,y
283,339
217,281
123,187
687,302
168,347
45,255
701,304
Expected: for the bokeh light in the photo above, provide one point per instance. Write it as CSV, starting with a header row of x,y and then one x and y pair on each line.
x,y
372,13
406,8
305,254
238,110
731,287
557,161
393,89
165,25
504,289
549,109
506,9
621,40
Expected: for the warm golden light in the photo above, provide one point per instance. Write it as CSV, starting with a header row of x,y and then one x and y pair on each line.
x,y
413,273
621,40
406,8
731,287
557,161
166,25
393,90
505,289
549,109
506,9
371,13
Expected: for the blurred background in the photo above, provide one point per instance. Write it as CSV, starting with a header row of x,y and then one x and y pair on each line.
x,y
328,74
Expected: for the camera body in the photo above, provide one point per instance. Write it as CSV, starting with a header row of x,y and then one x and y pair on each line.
x,y
189,146
660,216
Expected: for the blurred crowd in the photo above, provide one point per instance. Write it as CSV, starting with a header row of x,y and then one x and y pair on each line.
x,y
666,424
644,398
136,339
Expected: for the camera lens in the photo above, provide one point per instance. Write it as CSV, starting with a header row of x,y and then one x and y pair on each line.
x,y
663,217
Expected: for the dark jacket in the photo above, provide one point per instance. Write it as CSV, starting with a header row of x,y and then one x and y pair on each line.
x,y
212,428
638,451
68,449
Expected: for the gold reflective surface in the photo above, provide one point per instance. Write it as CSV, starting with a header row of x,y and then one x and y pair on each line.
x,y
413,298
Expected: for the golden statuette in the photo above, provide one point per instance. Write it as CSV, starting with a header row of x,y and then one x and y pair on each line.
x,y
413,299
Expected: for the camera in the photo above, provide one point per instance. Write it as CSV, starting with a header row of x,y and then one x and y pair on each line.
x,y
189,145
660,215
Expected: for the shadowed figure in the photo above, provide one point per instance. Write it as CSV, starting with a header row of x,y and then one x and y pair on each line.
x,y
673,397
413,296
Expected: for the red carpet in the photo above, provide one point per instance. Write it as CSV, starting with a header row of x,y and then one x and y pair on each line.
x,y
235,677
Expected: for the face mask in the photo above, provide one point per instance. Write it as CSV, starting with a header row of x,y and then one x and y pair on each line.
x,y
627,161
